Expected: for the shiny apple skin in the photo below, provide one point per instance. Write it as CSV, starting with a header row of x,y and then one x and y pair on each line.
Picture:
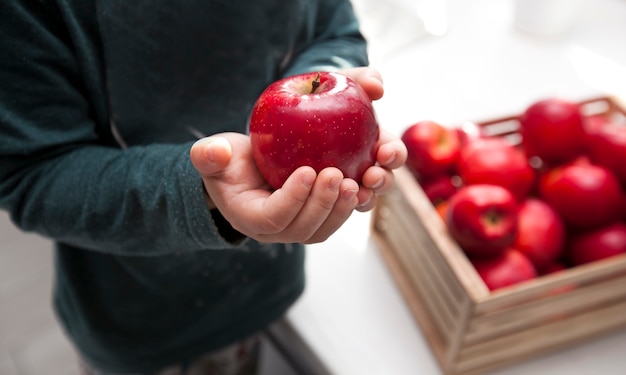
x,y
553,130
598,244
506,269
585,195
335,126
483,219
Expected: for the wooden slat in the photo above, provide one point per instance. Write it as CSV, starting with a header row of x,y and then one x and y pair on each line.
x,y
580,275
541,311
539,340
422,278
413,299
448,286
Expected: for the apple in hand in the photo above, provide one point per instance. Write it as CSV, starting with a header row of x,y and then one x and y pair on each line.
x,y
552,129
585,195
598,244
495,161
483,219
313,119
432,149
509,268
540,233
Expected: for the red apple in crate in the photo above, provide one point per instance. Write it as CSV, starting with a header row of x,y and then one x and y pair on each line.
x,y
439,188
595,123
469,131
506,269
607,147
552,268
315,119
482,219
552,129
585,195
495,161
598,244
432,149
540,233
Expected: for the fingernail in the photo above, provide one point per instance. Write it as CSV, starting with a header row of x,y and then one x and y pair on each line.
x,y
377,78
308,178
390,159
211,143
334,183
378,184
350,195
364,204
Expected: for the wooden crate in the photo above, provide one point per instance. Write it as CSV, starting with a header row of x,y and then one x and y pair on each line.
x,y
470,329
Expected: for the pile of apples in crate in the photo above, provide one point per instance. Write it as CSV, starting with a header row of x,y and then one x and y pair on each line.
x,y
554,199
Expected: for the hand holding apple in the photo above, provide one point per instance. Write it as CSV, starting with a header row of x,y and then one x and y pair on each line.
x,y
376,159
308,208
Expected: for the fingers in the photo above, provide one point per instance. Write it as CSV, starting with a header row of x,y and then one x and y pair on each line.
x,y
283,205
308,211
332,201
211,155
369,78
308,208
367,200
392,152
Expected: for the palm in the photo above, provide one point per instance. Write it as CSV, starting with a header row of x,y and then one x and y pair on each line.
x,y
241,180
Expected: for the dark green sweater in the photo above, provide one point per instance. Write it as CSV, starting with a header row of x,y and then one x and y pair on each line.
x,y
100,102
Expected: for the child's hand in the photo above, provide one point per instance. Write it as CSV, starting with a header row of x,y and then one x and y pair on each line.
x,y
392,152
307,209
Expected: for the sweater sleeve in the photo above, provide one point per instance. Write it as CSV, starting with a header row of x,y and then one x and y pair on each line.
x,y
334,40
60,176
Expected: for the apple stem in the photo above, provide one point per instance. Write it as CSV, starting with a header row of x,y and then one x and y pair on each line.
x,y
315,84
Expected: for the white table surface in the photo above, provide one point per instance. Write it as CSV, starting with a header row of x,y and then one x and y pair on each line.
x,y
351,314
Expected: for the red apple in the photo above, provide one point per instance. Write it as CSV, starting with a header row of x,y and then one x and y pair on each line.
x,y
506,269
585,195
598,244
469,131
495,161
432,149
482,219
540,233
315,119
552,268
607,147
439,189
552,129
595,123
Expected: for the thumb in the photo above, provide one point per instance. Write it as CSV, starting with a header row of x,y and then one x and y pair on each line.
x,y
210,155
369,79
